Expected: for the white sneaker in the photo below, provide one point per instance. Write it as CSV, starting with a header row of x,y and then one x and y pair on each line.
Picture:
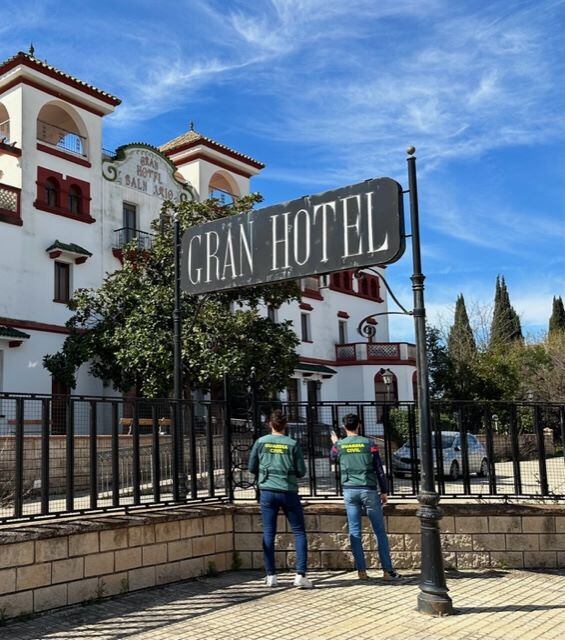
x,y
302,582
271,581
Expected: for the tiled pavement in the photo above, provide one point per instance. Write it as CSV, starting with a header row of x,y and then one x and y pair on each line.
x,y
491,604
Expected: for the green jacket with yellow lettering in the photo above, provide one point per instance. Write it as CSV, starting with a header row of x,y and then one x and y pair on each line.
x,y
277,462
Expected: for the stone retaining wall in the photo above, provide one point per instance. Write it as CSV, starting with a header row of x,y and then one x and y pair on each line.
x,y
54,563
472,535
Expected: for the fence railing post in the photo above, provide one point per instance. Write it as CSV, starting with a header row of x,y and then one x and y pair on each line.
x,y
193,453
335,426
413,444
487,419
388,448
311,450
19,453
228,479
515,450
538,428
70,453
45,456
209,449
437,449
462,426
175,410
115,456
155,454
93,456
135,471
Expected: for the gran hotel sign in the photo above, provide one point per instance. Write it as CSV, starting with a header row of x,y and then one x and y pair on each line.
x,y
351,227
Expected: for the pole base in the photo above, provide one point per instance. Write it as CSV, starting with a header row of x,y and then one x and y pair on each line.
x,y
433,604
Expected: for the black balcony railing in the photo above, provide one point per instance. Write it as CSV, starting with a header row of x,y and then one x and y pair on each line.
x,y
5,131
223,196
61,138
142,240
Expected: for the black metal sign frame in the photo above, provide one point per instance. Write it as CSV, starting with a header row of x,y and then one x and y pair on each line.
x,y
347,228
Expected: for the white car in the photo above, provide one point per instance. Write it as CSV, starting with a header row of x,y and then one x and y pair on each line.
x,y
451,454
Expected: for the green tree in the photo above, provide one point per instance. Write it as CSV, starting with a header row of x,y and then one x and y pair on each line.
x,y
557,319
505,327
124,329
461,343
440,365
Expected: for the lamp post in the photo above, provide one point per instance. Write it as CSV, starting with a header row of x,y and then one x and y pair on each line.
x,y
181,489
433,598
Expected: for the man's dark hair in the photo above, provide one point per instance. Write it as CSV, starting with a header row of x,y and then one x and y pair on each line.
x,y
278,421
351,421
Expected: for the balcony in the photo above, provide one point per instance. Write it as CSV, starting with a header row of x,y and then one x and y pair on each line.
x,y
10,205
142,240
223,196
134,239
5,131
61,139
377,352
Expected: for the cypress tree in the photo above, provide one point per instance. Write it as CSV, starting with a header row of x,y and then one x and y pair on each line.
x,y
557,320
505,327
461,341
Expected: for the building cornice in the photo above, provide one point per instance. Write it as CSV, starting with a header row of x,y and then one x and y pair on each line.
x,y
27,60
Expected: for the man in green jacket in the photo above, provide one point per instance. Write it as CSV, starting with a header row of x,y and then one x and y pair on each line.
x,y
277,462
365,490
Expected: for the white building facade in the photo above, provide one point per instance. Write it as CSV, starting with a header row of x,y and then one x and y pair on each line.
x,y
67,208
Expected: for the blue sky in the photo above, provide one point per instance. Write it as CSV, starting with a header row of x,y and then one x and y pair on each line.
x,y
330,92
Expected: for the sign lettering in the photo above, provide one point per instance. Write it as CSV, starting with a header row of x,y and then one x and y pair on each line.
x,y
355,226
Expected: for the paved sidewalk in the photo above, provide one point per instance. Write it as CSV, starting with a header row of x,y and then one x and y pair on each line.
x,y
491,604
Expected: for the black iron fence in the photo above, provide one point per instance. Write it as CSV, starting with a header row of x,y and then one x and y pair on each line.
x,y
481,449
75,454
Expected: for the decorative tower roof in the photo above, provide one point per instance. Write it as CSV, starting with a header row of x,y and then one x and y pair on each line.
x,y
30,61
192,138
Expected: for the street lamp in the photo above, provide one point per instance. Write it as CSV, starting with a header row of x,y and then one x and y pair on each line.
x,y
179,487
433,598
530,395
496,421
388,378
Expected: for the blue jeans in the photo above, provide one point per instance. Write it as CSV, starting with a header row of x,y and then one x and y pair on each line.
x,y
359,502
271,502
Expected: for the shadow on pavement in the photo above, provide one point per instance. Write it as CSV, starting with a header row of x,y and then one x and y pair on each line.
x,y
525,608
151,609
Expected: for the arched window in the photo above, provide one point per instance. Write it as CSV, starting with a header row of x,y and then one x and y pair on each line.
x,y
4,124
60,126
74,199
347,280
364,286
223,187
385,394
336,277
51,192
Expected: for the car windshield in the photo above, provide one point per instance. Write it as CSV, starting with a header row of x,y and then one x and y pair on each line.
x,y
446,441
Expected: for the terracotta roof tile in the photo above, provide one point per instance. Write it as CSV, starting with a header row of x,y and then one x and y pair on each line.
x,y
192,138
40,65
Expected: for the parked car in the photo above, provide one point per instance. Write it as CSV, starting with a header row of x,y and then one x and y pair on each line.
x,y
451,454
